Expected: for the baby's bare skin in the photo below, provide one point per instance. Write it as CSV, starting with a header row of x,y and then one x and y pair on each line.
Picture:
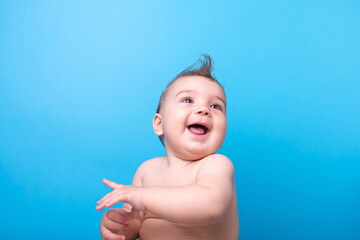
x,y
156,173
190,193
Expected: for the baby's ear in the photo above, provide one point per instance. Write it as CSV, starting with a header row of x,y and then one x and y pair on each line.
x,y
157,125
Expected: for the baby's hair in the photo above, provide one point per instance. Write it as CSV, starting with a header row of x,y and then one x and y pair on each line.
x,y
202,67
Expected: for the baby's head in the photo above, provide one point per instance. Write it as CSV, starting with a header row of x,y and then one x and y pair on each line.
x,y
191,115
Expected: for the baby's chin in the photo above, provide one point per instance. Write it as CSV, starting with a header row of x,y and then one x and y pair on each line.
x,y
196,155
192,152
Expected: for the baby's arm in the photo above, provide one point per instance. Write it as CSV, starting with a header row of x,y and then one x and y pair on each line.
x,y
202,203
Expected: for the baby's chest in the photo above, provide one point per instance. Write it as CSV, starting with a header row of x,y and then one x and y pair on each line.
x,y
169,178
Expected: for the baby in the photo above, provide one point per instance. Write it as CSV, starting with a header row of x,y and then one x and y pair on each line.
x,y
190,192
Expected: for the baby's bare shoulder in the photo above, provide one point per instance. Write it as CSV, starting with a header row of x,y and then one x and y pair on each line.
x,y
145,167
217,160
216,164
152,163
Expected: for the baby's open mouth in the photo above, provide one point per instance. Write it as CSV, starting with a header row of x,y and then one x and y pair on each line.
x,y
198,129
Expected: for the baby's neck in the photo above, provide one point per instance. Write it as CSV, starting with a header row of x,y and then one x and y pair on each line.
x,y
178,162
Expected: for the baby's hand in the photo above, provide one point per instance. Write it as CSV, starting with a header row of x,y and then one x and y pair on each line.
x,y
114,224
121,193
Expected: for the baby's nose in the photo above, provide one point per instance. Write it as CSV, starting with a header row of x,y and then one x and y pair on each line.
x,y
203,111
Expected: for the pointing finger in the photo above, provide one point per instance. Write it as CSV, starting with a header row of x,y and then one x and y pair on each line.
x,y
111,184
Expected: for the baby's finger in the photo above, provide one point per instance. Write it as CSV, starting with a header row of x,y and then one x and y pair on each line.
x,y
115,198
108,234
103,202
107,196
118,215
109,200
100,207
110,184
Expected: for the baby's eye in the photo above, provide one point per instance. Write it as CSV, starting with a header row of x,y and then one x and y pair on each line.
x,y
216,106
187,100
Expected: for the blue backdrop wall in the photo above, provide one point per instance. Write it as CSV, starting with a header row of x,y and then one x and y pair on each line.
x,y
80,81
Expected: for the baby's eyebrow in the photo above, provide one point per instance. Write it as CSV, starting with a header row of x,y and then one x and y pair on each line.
x,y
185,91
221,99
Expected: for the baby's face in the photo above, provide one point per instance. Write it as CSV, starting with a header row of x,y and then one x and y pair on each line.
x,y
193,118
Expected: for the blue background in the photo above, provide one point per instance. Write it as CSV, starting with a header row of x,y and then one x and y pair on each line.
x,y
80,82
